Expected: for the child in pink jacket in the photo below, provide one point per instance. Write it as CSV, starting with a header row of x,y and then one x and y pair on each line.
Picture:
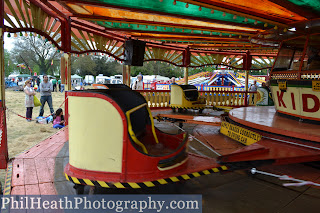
x,y
58,119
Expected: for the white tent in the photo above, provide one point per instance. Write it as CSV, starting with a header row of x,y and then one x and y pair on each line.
x,y
76,79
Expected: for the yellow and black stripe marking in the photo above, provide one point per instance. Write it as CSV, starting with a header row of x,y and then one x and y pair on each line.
x,y
176,107
7,185
147,184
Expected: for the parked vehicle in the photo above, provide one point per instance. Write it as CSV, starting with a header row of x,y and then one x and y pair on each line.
x,y
116,81
89,79
100,79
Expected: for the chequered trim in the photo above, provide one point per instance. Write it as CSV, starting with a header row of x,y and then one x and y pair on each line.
x,y
145,184
7,185
176,107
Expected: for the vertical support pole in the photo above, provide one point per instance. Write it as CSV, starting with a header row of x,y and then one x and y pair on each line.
x,y
67,59
129,75
126,75
62,70
66,47
186,73
3,124
246,88
186,63
247,61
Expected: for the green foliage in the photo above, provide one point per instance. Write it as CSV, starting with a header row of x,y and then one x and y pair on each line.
x,y
106,67
95,65
201,69
36,53
39,54
83,66
9,66
259,72
157,68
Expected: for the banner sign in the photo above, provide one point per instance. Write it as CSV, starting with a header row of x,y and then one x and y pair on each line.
x,y
134,203
239,134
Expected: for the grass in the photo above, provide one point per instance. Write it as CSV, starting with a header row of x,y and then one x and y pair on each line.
x,y
23,135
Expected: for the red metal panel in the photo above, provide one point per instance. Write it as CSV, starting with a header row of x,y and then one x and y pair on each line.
x,y
3,124
3,137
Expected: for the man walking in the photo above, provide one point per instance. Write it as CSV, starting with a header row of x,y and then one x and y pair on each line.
x,y
45,93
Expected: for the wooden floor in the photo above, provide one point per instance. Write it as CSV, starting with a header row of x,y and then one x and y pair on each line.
x,y
33,171
266,119
39,171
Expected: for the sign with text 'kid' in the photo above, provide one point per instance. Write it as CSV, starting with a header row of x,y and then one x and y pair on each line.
x,y
298,101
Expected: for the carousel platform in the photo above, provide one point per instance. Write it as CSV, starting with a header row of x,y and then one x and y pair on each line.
x,y
39,170
266,119
36,171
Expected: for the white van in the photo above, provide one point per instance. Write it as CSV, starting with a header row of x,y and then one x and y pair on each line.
x,y
100,79
89,79
115,81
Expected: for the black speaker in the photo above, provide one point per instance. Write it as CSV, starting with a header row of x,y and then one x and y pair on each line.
x,y
134,52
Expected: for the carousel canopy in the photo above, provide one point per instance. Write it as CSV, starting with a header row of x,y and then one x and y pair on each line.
x,y
201,23
184,33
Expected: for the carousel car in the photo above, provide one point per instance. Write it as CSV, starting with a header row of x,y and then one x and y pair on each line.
x,y
186,97
113,143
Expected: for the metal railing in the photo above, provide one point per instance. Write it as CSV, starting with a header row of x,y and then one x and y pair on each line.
x,y
156,98
161,98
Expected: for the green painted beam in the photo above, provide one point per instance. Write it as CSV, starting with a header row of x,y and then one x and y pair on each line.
x,y
167,6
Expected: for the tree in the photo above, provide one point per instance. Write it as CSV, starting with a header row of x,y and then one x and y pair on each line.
x,y
36,52
9,66
157,68
106,67
83,66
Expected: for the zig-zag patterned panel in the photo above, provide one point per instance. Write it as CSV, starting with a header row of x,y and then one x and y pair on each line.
x,y
22,15
160,54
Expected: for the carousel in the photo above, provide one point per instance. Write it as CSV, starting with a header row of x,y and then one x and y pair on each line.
x,y
135,140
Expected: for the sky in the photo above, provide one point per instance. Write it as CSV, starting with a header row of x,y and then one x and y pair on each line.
x,y
8,42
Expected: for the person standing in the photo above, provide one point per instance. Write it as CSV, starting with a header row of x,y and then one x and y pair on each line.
x,y
28,90
54,84
45,93
173,82
59,85
138,84
38,83
253,88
